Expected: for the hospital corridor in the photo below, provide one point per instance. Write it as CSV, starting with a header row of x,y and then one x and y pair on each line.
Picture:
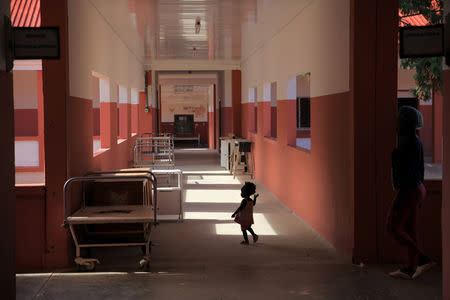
x,y
201,258
225,149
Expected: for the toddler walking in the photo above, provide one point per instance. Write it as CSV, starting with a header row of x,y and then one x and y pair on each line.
x,y
244,214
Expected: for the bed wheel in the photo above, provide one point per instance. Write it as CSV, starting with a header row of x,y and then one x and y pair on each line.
x,y
86,264
144,264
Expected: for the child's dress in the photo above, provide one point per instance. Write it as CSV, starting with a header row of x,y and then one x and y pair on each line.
x,y
245,216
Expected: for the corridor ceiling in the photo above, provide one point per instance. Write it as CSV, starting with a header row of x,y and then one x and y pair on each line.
x,y
168,27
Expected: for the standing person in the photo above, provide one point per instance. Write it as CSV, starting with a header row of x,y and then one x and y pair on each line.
x,y
408,176
244,214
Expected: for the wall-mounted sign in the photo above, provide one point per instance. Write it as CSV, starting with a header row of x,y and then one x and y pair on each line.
x,y
36,43
421,41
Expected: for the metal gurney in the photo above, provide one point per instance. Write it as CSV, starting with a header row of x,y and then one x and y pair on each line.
x,y
154,152
122,218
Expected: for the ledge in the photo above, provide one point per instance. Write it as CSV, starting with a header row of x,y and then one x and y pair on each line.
x,y
101,151
271,139
299,148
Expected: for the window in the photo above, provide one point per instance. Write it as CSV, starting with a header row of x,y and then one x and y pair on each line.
x,y
253,110
273,109
105,112
303,111
134,111
96,113
269,110
122,113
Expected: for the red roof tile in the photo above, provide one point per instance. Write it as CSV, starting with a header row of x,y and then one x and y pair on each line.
x,y
26,13
418,20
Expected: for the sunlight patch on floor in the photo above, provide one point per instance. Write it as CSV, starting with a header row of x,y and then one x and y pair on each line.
x,y
213,196
92,274
211,179
225,172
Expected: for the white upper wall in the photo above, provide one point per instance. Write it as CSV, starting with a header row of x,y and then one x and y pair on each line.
x,y
95,46
292,37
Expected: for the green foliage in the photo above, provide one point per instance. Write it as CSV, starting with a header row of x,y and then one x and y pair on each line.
x,y
432,10
428,74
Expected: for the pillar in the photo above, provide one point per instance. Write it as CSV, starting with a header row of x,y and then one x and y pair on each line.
x,y
446,189
373,85
7,181
56,93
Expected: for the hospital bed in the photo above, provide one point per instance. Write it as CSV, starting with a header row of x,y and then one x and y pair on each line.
x,y
169,190
154,152
101,221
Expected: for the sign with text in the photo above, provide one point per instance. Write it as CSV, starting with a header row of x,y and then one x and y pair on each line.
x,y
36,43
421,41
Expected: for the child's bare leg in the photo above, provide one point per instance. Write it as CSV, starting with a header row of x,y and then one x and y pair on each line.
x,y
244,233
255,236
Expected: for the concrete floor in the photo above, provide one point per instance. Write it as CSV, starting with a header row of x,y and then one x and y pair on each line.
x,y
202,258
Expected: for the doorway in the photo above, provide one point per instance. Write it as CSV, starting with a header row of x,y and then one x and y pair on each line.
x,y
184,125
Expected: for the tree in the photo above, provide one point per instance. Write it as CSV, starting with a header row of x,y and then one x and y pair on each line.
x,y
428,74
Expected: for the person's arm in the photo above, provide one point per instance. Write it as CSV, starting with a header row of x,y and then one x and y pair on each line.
x,y
254,199
241,207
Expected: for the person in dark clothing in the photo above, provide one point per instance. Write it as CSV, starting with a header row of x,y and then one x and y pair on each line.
x,y
408,177
244,214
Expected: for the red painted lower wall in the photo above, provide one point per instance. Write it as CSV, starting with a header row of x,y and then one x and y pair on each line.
x,y
134,118
125,122
96,120
227,121
146,119
211,130
316,186
426,133
30,228
273,120
26,122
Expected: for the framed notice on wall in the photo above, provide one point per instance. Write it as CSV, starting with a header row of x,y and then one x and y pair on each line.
x,y
36,43
421,41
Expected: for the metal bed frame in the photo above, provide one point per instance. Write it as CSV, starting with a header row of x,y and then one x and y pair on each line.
x,y
168,188
154,151
144,214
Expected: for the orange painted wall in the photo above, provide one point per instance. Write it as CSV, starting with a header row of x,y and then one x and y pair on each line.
x,y
227,121
108,124
146,119
134,118
211,130
266,118
56,91
125,120
323,176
